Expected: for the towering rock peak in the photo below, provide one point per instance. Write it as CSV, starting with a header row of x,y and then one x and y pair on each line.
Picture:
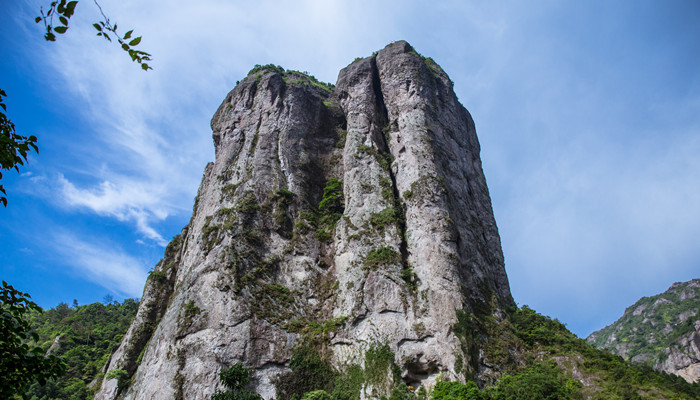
x,y
342,229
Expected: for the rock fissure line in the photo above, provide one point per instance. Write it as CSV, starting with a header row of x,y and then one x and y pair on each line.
x,y
385,149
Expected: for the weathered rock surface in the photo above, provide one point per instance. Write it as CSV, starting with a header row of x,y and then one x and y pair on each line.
x,y
361,209
662,331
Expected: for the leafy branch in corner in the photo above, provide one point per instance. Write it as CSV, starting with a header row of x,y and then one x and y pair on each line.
x,y
64,10
13,147
21,361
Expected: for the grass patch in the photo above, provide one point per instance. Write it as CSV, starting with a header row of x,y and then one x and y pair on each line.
x,y
380,368
248,205
386,217
383,158
228,191
382,256
282,199
342,137
410,278
158,276
330,209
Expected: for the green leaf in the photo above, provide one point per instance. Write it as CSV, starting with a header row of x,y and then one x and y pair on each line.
x,y
135,41
63,20
125,46
128,34
70,8
37,19
98,27
61,29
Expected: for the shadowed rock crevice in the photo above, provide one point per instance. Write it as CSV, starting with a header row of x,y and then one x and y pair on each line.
x,y
385,149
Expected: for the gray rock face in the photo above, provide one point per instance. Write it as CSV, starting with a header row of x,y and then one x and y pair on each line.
x,y
337,219
683,356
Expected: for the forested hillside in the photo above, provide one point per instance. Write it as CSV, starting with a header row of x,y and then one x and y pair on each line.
x,y
660,331
542,359
84,336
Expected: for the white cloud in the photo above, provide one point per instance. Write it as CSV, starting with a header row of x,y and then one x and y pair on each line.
x,y
103,264
127,201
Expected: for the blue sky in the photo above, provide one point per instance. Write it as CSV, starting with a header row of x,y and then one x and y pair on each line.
x,y
588,114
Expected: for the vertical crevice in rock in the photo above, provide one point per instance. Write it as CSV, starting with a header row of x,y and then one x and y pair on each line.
x,y
385,149
382,115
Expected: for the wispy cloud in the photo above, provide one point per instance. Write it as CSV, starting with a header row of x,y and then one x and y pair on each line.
x,y
126,201
102,263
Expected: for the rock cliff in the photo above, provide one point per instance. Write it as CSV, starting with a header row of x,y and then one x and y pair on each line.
x,y
662,331
341,228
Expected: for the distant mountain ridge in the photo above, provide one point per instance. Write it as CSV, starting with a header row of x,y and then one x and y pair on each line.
x,y
662,331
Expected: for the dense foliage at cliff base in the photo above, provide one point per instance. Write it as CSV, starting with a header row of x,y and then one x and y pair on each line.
x,y
84,336
539,358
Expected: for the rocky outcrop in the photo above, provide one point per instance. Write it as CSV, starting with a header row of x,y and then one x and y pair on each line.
x,y
342,223
682,357
662,331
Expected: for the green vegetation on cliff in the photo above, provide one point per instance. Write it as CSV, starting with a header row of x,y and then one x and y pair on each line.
x,y
299,78
235,379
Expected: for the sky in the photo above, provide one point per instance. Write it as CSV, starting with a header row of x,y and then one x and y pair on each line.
x,y
588,115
